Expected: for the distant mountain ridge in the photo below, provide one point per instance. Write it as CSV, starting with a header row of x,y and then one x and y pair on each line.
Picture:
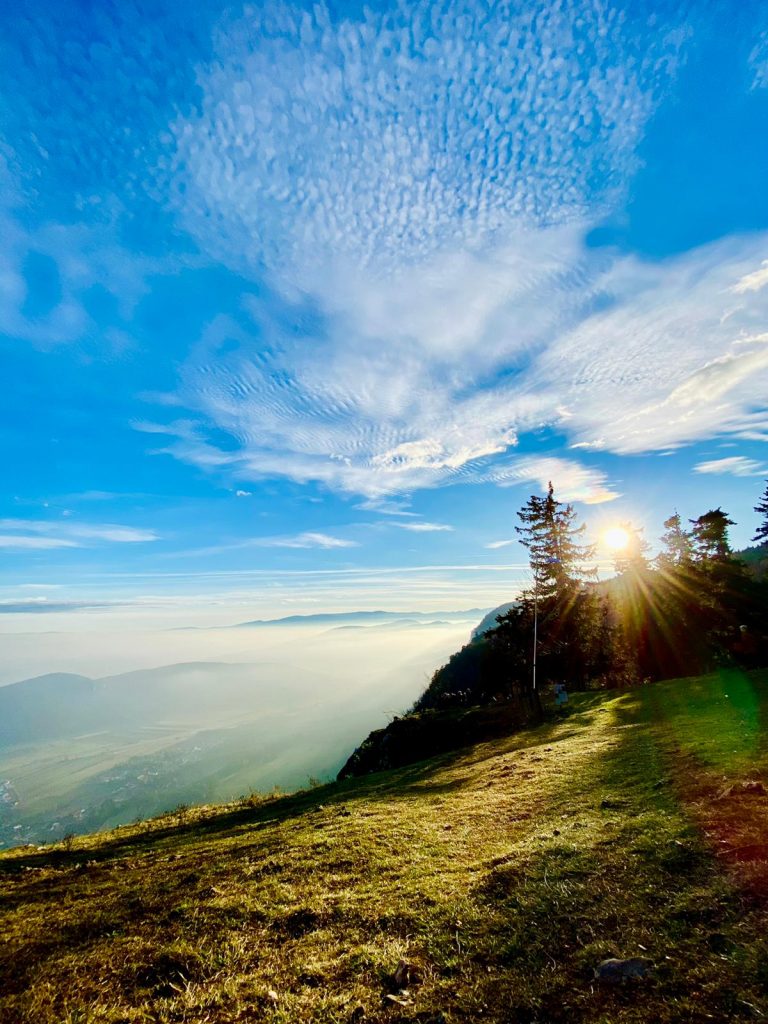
x,y
489,620
330,618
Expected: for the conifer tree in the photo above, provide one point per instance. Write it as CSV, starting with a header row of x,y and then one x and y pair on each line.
x,y
632,560
550,534
710,536
678,547
762,509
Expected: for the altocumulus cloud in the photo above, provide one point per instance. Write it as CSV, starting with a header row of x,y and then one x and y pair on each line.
x,y
418,127
432,204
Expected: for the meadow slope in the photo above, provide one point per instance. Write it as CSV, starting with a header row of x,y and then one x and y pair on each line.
x,y
495,879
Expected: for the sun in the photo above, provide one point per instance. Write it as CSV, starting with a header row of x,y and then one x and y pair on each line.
x,y
616,538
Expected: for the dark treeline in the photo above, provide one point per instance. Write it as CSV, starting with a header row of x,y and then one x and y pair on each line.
x,y
692,608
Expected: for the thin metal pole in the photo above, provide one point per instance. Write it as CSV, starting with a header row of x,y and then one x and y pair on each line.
x,y
535,628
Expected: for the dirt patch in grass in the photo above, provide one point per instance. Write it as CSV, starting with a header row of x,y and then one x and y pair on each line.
x,y
734,823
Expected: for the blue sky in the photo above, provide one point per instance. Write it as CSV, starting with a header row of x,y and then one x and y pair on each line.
x,y
299,303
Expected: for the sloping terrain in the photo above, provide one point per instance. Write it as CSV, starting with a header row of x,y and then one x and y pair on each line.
x,y
483,886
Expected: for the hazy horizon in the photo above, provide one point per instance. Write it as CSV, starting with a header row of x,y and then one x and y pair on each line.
x,y
99,652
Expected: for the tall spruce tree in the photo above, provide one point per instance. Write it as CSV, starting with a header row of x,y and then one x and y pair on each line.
x,y
710,536
678,547
550,534
565,614
632,559
762,509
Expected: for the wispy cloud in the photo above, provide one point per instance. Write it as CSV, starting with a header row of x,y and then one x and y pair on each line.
x,y
735,465
305,540
571,480
387,507
32,534
20,542
616,353
78,260
456,310
671,358
42,606
758,62
753,281
370,180
423,527
494,544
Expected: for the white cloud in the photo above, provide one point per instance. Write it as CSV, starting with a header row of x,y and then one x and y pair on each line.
x,y
443,248
423,527
47,534
78,259
662,365
20,542
736,465
115,534
754,281
374,141
387,507
461,309
380,416
243,494
758,62
305,540
571,480
626,356
494,544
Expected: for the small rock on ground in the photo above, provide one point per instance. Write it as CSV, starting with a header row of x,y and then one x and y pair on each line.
x,y
751,788
614,971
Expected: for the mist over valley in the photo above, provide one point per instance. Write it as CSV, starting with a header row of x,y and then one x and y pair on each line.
x,y
203,715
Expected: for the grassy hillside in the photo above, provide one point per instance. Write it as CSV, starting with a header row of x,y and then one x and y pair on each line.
x,y
495,879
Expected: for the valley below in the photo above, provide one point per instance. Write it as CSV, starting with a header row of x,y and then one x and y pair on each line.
x,y
80,753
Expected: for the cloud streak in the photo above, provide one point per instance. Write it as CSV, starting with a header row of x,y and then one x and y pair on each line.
x,y
735,465
574,481
306,540
758,63
752,282
21,542
41,535
423,527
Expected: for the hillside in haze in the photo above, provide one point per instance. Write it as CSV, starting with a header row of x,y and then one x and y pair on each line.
x,y
59,705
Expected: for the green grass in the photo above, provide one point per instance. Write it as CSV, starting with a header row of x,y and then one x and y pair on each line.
x,y
501,875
